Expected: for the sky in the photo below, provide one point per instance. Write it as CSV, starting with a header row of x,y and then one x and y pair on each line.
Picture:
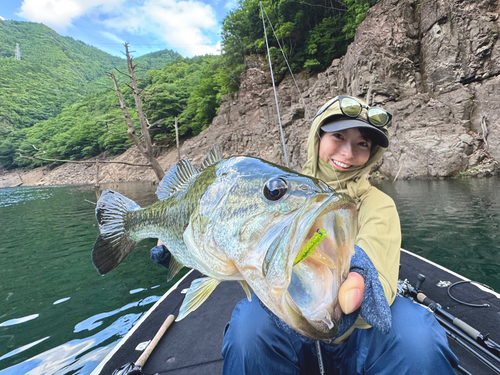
x,y
189,27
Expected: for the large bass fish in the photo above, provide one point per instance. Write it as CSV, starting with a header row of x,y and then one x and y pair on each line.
x,y
288,236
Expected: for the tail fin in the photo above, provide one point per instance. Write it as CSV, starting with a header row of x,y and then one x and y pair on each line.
x,y
113,244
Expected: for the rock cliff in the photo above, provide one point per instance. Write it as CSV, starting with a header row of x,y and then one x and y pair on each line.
x,y
434,64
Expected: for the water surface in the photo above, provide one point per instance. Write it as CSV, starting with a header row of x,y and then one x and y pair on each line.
x,y
455,223
59,316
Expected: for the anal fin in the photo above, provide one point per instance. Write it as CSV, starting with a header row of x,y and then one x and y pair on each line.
x,y
197,294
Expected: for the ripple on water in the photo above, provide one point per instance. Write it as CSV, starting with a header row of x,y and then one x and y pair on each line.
x,y
61,300
12,196
24,319
22,348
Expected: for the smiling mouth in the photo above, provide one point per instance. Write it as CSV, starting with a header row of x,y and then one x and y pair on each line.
x,y
340,164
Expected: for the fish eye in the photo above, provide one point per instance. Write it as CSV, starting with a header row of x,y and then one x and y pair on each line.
x,y
275,188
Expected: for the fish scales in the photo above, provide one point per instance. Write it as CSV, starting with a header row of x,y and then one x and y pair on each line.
x,y
243,219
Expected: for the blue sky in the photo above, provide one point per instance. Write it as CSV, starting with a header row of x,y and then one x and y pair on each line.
x,y
190,27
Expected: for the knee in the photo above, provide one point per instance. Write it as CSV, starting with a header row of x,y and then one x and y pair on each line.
x,y
417,334
249,329
253,343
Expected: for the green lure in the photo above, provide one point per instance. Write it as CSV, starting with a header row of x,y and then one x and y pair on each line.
x,y
310,245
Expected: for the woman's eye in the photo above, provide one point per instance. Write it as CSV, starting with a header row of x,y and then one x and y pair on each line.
x,y
275,188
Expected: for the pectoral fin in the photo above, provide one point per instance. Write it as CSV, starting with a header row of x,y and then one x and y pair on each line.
x,y
245,287
197,294
173,267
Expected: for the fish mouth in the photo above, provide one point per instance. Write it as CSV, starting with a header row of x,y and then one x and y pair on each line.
x,y
312,293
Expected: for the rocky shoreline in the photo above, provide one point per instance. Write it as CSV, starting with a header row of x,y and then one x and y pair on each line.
x,y
434,65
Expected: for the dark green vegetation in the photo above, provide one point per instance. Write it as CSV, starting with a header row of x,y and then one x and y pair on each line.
x,y
58,102
311,33
52,72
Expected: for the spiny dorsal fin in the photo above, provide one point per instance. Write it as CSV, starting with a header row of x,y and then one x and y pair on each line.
x,y
177,178
174,266
245,287
197,294
214,156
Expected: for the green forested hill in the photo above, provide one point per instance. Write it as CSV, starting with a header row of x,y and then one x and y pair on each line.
x,y
57,101
151,61
52,72
189,89
52,97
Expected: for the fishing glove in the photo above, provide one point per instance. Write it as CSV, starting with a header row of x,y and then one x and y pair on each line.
x,y
374,308
160,255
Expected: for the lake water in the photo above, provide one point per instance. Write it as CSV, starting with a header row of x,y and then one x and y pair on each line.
x,y
59,316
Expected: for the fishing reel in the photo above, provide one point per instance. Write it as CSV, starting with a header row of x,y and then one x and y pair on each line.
x,y
405,289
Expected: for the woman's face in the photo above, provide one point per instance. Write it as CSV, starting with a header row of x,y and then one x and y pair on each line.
x,y
344,149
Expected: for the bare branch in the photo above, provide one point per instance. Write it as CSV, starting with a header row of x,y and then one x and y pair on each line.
x,y
107,127
83,161
125,74
128,120
149,153
106,121
157,122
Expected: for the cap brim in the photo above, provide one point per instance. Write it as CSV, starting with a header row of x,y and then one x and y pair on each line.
x,y
377,135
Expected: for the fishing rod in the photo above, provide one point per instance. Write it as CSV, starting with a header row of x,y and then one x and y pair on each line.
x,y
476,343
274,87
296,85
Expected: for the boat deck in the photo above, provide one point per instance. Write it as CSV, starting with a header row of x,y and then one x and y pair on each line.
x,y
193,346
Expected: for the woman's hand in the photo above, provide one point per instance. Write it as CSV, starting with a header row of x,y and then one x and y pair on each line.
x,y
351,293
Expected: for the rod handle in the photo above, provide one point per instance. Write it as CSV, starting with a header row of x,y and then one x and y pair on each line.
x,y
471,331
145,355
424,300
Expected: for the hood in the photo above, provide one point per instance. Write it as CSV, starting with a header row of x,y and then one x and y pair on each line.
x,y
352,181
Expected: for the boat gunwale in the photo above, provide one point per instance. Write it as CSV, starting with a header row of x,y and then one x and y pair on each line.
x,y
136,326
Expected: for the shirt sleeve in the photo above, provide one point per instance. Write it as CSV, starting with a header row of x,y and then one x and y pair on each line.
x,y
379,235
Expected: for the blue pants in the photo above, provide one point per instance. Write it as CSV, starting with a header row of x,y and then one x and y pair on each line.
x,y
417,344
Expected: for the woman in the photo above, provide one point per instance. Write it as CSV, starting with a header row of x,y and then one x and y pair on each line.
x,y
347,138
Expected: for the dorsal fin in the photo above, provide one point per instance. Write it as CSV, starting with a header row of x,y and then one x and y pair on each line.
x,y
214,156
177,178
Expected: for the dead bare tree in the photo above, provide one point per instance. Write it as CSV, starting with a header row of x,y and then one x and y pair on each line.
x,y
145,146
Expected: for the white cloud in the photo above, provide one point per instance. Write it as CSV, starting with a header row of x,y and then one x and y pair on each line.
x,y
231,4
2,19
183,25
59,13
112,37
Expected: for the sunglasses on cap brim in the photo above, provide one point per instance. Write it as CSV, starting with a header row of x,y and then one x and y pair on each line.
x,y
350,107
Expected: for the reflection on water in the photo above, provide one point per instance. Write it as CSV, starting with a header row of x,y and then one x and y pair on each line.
x,y
59,316
454,223
10,196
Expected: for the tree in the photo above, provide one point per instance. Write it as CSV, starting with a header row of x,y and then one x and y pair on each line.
x,y
145,146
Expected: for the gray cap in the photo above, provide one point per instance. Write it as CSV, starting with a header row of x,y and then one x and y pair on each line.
x,y
343,123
